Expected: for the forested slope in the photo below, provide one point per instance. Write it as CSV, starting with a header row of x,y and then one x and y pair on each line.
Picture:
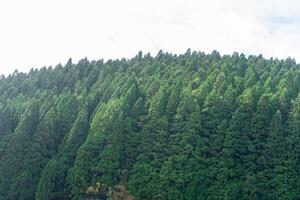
x,y
190,126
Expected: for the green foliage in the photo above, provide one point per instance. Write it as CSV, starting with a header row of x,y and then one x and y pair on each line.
x,y
190,126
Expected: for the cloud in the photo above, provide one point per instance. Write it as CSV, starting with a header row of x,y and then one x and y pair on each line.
x,y
35,33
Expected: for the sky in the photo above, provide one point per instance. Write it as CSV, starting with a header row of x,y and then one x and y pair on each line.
x,y
37,33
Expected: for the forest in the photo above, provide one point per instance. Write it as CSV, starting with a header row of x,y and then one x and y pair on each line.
x,y
191,126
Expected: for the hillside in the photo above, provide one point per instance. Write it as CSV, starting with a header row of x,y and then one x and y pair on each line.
x,y
190,126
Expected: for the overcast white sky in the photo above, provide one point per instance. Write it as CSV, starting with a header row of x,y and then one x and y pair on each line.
x,y
37,33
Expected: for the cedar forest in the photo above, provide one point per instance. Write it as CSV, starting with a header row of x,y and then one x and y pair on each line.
x,y
189,126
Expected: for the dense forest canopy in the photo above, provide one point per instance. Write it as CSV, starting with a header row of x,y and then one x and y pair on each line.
x,y
190,126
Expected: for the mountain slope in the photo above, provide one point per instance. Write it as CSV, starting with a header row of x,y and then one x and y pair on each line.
x,y
190,126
